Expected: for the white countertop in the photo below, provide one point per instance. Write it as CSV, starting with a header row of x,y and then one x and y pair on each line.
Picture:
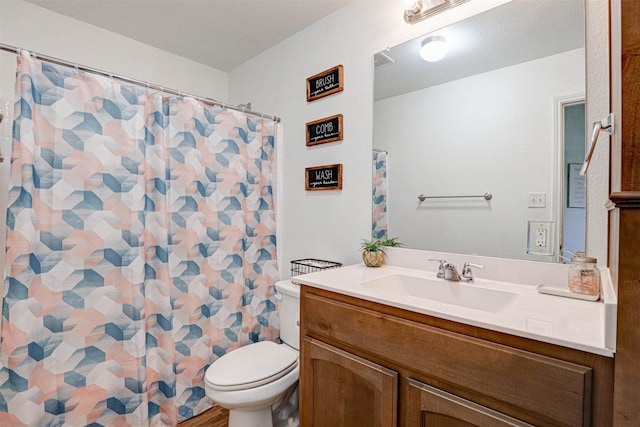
x,y
582,325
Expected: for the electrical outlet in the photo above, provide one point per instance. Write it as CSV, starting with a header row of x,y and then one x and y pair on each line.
x,y
540,238
537,200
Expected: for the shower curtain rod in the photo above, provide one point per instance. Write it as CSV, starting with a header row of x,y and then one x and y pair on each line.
x,y
209,101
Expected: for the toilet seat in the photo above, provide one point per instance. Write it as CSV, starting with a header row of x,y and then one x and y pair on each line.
x,y
251,366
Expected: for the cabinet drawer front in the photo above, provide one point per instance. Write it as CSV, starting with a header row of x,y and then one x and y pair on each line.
x,y
430,406
557,392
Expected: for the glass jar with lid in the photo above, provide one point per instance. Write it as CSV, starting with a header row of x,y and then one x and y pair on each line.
x,y
584,276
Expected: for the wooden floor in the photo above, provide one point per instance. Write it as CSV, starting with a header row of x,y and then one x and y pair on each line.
x,y
214,417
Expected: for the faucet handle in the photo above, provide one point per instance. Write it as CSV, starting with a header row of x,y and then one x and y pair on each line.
x,y
466,270
441,267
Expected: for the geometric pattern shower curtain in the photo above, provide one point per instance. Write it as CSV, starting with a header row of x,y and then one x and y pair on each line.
x,y
379,222
140,248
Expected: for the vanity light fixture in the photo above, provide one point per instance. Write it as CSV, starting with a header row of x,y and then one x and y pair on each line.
x,y
417,10
433,48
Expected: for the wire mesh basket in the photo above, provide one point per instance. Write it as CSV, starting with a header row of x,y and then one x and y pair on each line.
x,y
310,265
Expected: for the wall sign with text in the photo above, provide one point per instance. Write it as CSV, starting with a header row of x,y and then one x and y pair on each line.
x,y
577,197
325,83
324,130
328,177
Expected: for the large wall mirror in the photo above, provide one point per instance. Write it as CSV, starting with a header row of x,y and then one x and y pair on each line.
x,y
503,114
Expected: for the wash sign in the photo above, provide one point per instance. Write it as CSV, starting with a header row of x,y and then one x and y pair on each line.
x,y
327,177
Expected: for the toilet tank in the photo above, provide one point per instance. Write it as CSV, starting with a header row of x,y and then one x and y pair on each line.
x,y
289,310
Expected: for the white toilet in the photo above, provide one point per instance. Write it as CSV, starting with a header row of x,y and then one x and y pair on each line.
x,y
256,379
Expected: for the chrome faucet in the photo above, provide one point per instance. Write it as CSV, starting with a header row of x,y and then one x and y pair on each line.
x,y
448,271
451,273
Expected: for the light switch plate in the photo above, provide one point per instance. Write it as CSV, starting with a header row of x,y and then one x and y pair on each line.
x,y
537,200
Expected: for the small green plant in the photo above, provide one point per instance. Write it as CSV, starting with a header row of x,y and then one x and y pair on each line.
x,y
390,242
372,245
374,250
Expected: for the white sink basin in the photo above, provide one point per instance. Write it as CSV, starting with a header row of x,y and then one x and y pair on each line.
x,y
455,293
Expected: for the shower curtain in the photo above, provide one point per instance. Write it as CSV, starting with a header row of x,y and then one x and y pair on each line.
x,y
379,221
140,248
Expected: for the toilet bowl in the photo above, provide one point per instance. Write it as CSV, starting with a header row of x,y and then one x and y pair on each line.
x,y
254,379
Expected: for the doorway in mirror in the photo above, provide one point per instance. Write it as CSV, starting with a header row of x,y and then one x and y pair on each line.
x,y
572,185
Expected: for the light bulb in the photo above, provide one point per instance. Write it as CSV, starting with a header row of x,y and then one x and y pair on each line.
x,y
433,48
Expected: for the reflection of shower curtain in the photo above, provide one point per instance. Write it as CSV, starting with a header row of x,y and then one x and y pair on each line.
x,y
379,194
140,248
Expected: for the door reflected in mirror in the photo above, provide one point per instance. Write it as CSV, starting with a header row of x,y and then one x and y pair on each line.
x,y
502,113
573,216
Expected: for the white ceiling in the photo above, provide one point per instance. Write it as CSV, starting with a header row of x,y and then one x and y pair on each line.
x,y
516,32
225,33
220,33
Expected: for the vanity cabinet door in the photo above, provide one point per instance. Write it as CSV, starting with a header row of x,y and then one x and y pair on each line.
x,y
341,389
430,406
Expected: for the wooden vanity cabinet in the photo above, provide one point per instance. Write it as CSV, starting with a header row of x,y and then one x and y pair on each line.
x,y
368,364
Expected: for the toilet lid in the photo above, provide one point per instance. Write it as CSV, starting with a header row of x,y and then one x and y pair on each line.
x,y
251,366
